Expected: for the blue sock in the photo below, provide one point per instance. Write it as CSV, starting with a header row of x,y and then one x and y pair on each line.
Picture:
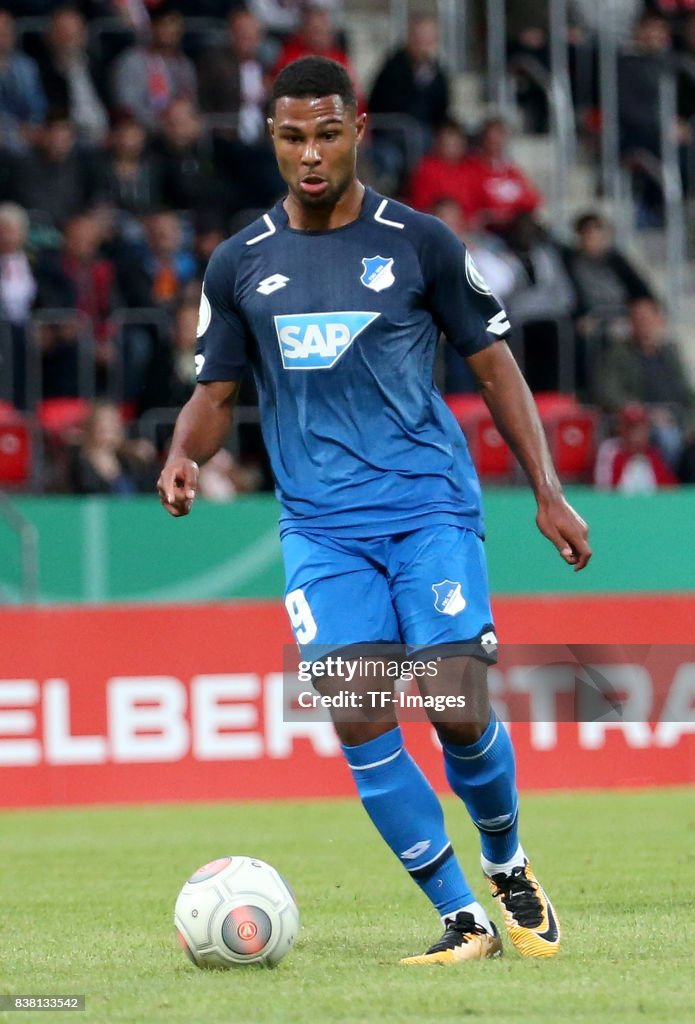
x,y
403,806
483,774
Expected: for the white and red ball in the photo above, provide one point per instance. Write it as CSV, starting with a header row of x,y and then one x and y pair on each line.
x,y
235,911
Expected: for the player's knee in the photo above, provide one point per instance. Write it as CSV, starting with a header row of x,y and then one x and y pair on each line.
x,y
461,733
352,734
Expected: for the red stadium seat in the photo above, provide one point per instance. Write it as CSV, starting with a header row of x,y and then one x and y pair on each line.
x,y
15,450
572,437
551,403
492,458
465,406
59,416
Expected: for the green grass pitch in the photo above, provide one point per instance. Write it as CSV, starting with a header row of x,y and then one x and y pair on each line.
x,y
87,899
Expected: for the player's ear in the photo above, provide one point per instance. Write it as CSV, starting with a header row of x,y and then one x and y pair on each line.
x,y
360,126
270,125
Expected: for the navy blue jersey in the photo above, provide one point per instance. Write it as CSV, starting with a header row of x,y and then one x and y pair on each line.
x,y
340,328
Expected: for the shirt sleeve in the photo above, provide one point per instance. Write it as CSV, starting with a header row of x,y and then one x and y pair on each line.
x,y
222,334
457,295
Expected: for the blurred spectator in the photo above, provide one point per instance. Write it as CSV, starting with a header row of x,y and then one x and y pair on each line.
x,y
67,77
77,277
442,173
686,462
629,462
605,283
167,264
499,189
281,17
209,233
22,99
147,78
54,176
233,82
222,478
170,376
189,177
604,280
411,82
530,44
675,12
648,368
231,78
17,291
17,283
639,99
639,72
686,82
492,257
542,295
106,462
316,35
498,276
542,285
528,51
128,176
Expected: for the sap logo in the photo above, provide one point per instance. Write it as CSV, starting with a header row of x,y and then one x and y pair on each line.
x,y
316,341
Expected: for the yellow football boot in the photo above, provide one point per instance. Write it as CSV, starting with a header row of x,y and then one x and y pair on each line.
x,y
463,940
528,913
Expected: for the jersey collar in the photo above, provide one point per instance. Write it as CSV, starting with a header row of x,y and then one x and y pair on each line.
x,y
370,202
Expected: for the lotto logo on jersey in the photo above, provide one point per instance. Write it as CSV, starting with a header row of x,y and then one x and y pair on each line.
x,y
316,341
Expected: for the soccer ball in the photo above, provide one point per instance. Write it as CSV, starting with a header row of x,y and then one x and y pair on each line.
x,y
235,911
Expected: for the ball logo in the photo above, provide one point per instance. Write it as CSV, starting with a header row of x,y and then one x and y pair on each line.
x,y
475,278
211,869
247,931
316,341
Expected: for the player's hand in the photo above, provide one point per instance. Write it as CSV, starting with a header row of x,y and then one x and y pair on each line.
x,y
177,485
564,528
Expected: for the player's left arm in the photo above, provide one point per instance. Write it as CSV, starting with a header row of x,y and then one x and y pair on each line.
x,y
514,411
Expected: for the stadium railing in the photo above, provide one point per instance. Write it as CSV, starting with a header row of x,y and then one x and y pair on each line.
x,y
666,175
28,538
149,319
562,128
76,329
156,425
566,354
453,19
7,389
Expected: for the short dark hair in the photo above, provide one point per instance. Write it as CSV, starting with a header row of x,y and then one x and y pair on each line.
x,y
314,77
589,220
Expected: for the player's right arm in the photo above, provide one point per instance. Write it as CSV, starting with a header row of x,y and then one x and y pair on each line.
x,y
204,422
201,429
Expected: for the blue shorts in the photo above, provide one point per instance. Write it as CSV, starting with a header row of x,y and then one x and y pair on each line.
x,y
424,589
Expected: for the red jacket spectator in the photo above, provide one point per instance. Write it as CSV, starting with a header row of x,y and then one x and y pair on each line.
x,y
629,462
499,190
443,173
316,37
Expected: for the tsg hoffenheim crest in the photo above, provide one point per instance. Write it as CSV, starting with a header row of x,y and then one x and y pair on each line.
x,y
448,598
378,273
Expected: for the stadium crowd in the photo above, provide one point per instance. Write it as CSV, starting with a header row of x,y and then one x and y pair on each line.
x,y
133,141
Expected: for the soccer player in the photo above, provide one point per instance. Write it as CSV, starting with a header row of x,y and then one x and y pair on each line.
x,y
336,297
